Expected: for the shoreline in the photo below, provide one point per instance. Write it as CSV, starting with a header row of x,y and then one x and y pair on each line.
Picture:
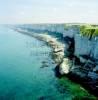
x,y
57,47
64,64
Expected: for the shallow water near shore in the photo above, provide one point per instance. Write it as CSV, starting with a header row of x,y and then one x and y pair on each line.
x,y
22,76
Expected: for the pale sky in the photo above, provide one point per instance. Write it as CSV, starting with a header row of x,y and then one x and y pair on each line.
x,y
48,11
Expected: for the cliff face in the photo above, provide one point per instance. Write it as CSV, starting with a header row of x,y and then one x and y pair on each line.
x,y
85,57
83,45
82,50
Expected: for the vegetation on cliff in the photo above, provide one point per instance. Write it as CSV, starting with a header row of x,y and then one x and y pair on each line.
x,y
85,29
78,93
89,30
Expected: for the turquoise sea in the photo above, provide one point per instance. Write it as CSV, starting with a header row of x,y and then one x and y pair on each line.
x,y
22,75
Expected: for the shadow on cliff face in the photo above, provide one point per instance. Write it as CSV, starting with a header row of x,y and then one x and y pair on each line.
x,y
88,83
84,53
70,45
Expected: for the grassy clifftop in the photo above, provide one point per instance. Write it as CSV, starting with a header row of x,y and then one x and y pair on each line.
x,y
85,29
89,30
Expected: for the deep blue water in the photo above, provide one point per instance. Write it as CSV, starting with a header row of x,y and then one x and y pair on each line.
x,y
21,75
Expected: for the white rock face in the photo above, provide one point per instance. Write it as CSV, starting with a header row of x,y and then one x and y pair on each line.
x,y
58,48
65,66
58,57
